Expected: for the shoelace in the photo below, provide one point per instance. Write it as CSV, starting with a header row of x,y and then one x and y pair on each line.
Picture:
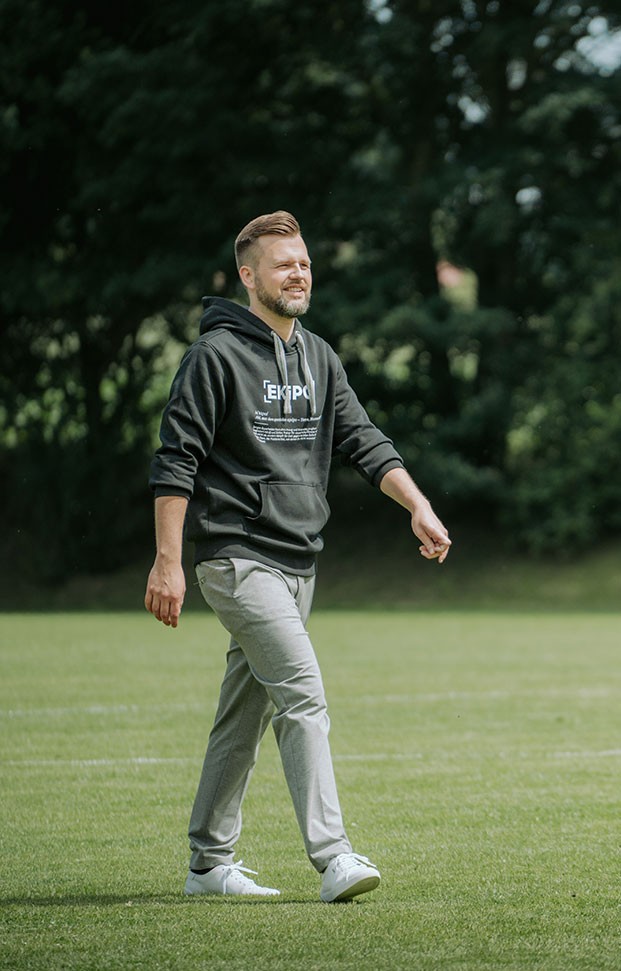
x,y
237,871
239,867
348,861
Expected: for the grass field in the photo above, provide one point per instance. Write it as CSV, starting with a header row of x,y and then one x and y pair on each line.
x,y
478,759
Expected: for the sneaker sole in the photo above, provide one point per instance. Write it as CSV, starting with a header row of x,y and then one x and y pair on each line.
x,y
215,893
363,886
218,893
191,892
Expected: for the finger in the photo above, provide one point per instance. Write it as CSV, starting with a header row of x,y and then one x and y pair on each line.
x,y
440,552
427,541
151,603
165,612
156,609
440,538
173,612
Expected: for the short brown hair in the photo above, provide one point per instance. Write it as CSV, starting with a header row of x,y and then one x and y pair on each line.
x,y
279,223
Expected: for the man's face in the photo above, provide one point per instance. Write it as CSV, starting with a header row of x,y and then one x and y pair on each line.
x,y
282,275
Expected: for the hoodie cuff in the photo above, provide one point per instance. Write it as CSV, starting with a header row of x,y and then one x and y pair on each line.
x,y
386,467
171,491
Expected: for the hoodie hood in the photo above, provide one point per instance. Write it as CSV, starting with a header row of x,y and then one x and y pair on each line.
x,y
221,314
227,315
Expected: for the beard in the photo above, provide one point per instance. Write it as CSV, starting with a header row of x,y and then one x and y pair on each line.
x,y
280,305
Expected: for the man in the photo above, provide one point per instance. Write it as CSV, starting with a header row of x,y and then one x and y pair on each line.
x,y
256,410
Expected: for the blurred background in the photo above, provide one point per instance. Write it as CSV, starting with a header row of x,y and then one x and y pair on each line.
x,y
455,167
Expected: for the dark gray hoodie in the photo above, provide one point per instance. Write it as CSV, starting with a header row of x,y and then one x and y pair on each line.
x,y
248,434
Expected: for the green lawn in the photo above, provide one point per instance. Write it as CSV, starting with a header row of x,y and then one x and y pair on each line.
x,y
478,759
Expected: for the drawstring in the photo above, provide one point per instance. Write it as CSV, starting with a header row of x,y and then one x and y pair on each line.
x,y
281,362
308,374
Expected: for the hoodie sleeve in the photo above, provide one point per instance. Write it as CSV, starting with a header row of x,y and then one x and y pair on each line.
x,y
357,439
195,409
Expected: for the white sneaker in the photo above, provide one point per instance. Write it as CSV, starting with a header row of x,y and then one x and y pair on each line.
x,y
347,875
227,879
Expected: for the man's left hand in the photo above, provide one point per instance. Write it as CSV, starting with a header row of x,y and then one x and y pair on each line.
x,y
432,534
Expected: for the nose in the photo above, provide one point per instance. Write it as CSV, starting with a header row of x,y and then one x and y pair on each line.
x,y
298,270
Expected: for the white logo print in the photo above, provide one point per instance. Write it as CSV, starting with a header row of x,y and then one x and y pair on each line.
x,y
278,392
272,426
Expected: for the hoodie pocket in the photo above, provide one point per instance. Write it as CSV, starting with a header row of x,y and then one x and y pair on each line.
x,y
293,510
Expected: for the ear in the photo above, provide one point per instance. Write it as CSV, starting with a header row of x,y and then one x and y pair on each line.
x,y
246,275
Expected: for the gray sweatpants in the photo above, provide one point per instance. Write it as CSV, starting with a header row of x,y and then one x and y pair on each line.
x,y
272,673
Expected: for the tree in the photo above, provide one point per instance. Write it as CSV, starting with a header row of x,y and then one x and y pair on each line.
x,y
133,158
135,147
516,164
534,218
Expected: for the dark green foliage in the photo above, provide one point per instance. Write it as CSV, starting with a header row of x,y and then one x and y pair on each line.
x,y
135,142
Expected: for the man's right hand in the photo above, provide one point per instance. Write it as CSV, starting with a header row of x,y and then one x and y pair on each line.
x,y
165,592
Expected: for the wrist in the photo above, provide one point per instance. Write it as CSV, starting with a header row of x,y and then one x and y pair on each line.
x,y
418,504
168,559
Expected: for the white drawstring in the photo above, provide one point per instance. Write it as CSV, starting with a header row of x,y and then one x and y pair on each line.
x,y
308,374
281,361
